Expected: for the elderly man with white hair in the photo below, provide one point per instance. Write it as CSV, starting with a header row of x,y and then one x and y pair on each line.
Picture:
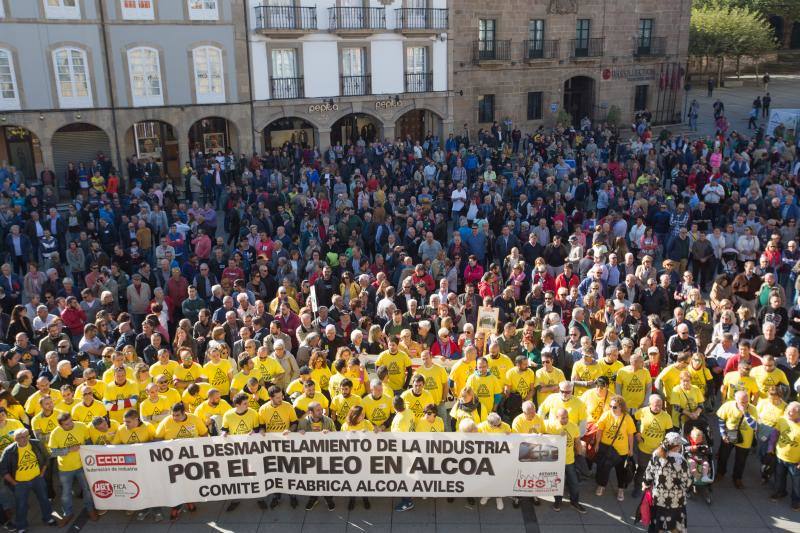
x,y
654,423
787,450
284,357
737,424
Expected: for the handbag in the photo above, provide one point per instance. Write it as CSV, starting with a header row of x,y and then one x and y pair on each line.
x,y
607,452
588,440
644,512
735,435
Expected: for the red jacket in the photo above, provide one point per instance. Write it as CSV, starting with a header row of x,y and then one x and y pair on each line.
x,y
74,319
473,274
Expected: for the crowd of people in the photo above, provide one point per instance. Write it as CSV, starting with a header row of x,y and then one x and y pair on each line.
x,y
634,293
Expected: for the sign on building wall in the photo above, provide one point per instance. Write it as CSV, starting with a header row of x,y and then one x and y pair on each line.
x,y
629,74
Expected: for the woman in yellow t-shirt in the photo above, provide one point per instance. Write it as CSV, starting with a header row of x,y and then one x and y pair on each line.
x,y
429,422
320,372
467,407
614,440
685,401
701,375
356,421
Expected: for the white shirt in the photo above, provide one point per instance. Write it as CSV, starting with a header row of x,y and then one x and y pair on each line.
x,y
459,198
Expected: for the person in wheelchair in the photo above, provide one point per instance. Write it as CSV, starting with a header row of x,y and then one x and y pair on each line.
x,y
699,455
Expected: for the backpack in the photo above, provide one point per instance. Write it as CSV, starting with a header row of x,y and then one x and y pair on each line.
x,y
510,407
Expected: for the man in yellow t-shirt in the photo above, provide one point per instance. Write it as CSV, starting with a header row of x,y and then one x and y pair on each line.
x,y
343,402
218,371
89,408
566,399
520,379
155,407
310,395
488,388
241,420
609,364
267,368
527,421
397,362
164,366
181,425
120,395
133,430
277,416
7,428
499,364
436,383
404,420
547,378
377,406
46,421
584,373
32,405
187,372
462,370
787,450
634,383
671,375
597,399
64,443
767,375
740,380
23,465
494,424
560,425
417,397
212,410
737,424
653,424
101,431
429,422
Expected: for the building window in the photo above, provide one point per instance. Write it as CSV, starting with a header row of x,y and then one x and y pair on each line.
x,y
72,78
203,10
286,82
583,30
486,38
486,108
535,106
645,39
2,10
208,75
640,97
355,80
418,78
535,38
62,9
137,10
9,95
145,74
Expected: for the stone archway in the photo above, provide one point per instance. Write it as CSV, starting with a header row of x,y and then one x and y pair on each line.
x,y
291,130
579,95
82,144
212,135
154,140
22,149
352,126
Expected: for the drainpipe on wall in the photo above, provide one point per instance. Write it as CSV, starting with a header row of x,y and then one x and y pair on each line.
x,y
112,99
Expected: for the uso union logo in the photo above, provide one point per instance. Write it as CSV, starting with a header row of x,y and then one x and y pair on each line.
x,y
105,489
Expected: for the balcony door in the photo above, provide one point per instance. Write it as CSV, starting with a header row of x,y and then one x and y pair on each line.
x,y
285,79
416,16
282,14
486,38
354,72
352,14
417,69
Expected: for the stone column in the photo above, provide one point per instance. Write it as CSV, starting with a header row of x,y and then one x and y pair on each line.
x,y
388,131
323,139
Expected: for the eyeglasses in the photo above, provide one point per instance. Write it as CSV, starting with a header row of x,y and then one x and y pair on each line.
x,y
615,407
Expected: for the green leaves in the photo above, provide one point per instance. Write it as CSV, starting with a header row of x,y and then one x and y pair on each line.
x,y
719,28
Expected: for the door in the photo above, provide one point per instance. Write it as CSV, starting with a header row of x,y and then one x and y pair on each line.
x,y
417,69
285,82
282,14
417,14
354,80
535,39
19,145
486,39
579,98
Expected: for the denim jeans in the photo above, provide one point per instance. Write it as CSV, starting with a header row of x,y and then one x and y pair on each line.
x,y
572,483
782,470
67,479
22,491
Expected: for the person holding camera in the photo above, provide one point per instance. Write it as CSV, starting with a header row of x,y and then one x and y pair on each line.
x,y
737,424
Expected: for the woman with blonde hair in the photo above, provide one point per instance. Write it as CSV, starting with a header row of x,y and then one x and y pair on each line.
x,y
614,443
467,407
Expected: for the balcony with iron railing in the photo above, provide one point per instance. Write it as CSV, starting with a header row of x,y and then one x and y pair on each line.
x,y
356,85
356,19
491,51
287,88
653,47
419,83
583,48
542,49
414,20
285,19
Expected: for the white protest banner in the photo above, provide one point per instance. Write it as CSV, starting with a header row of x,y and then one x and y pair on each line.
x,y
169,473
788,117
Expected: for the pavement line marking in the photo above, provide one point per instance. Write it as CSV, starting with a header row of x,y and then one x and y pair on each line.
x,y
529,516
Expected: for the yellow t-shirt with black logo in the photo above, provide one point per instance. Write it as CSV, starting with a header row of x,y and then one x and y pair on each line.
x,y
670,377
595,404
521,424
192,402
734,419
244,424
652,428
7,432
788,446
276,419
768,412
217,374
416,403
301,402
547,379
296,387
266,369
460,373
378,410
256,399
103,437
736,382
683,400
27,464
85,414
188,374
583,372
520,382
485,387
240,379
321,377
610,370
423,426
44,425
404,422
168,369
609,424
574,406
700,377
190,428
205,410
340,405
120,397
62,438
108,375
144,433
765,379
435,380
570,431
32,406
499,367
155,411
633,385
397,364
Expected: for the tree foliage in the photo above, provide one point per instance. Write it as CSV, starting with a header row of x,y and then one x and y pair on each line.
x,y
718,30
789,9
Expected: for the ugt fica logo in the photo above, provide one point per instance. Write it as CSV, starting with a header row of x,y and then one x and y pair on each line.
x,y
105,489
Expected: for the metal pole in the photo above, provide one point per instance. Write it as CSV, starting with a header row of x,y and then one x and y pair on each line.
x,y
109,74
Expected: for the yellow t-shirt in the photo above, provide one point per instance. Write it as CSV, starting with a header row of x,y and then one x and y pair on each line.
x,y
733,418
340,405
570,431
119,398
435,380
378,410
610,370
574,406
16,412
768,412
459,374
256,399
521,424
321,377
98,389
458,414
144,433
243,424
499,367
301,402
193,402
396,364
27,464
788,446
736,382
520,382
546,379
364,425
168,369
296,387
670,377
82,413
188,374
7,432
44,425
61,438
608,424
155,411
652,428
633,385
596,405
205,410
416,403
108,375
765,379
583,372
404,422
423,426
680,399
485,387
32,406
276,419
103,437
192,427
484,427
217,375
700,377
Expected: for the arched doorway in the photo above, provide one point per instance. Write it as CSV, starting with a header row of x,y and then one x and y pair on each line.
x,y
417,124
212,135
291,130
154,140
350,128
778,27
22,150
79,143
579,98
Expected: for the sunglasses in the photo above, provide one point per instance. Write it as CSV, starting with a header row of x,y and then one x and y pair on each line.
x,y
615,407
